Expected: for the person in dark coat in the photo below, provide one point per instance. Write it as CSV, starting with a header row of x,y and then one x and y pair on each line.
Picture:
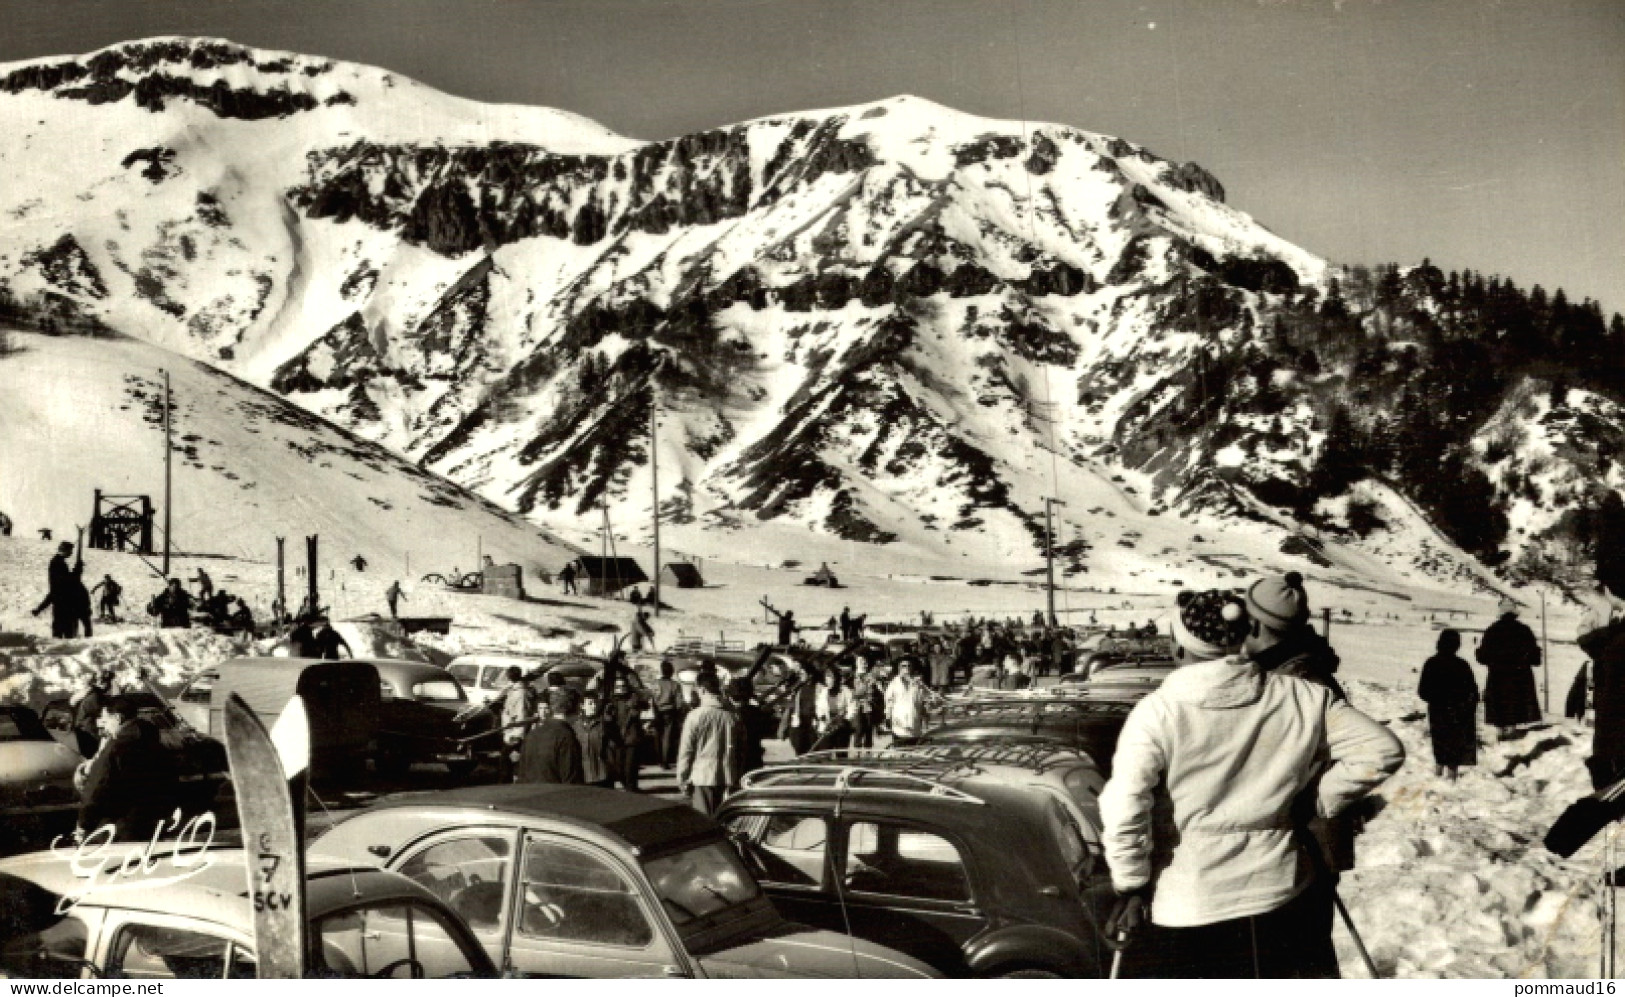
x,y
1451,692
668,707
66,597
172,606
132,782
799,724
1602,637
625,713
757,725
88,710
552,751
567,579
328,641
1510,652
107,607
302,640
599,744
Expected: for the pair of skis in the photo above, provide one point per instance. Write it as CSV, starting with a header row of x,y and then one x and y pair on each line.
x,y
1584,819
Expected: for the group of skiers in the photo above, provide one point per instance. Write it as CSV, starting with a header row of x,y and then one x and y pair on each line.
x,y
565,735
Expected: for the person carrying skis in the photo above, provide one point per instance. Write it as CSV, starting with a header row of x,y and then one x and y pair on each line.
x,y
788,627
1510,652
66,596
107,606
1213,774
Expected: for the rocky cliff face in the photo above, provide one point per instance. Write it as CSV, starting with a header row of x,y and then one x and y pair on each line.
x,y
887,323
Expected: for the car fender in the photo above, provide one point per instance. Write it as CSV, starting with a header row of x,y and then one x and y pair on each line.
x,y
1032,945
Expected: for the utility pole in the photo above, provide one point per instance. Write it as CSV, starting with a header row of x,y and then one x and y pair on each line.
x,y
167,502
1545,657
654,478
1049,558
281,592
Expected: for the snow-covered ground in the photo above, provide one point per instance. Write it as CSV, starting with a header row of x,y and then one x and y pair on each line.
x,y
1451,879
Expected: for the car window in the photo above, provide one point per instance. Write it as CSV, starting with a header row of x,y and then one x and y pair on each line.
x,y
571,895
151,952
469,874
444,690
57,716
784,849
699,882
401,940
494,677
901,861
52,952
22,725
466,672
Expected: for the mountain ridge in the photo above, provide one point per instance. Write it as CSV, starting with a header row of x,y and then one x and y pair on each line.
x,y
889,323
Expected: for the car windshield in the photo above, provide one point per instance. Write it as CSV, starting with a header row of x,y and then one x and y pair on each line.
x,y
438,691
697,884
22,725
464,672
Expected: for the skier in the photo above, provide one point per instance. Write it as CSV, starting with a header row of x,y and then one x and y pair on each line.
x,y
67,599
172,606
242,618
641,630
1230,757
788,628
1451,692
328,641
1510,652
359,563
394,595
205,584
846,624
107,606
567,579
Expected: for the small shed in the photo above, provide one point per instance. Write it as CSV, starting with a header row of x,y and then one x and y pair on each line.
x,y
682,574
504,580
607,575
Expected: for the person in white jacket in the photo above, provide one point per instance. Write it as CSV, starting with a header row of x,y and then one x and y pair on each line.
x,y
1214,774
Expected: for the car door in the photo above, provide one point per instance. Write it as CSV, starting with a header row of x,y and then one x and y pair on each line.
x,y
471,871
580,911
788,853
137,945
909,887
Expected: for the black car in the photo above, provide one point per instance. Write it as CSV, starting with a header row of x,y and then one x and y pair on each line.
x,y
1075,716
981,861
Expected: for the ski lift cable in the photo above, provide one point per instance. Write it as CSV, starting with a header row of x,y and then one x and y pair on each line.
x,y
1032,242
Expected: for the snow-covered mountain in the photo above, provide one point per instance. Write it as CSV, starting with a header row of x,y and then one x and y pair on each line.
x,y
887,323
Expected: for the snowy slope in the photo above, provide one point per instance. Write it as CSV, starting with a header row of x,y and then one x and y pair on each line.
x,y
82,414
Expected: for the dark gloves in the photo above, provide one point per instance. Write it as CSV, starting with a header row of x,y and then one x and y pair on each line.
x,y
1129,916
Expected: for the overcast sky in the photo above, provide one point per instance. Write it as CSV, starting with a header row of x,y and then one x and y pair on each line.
x,y
1487,134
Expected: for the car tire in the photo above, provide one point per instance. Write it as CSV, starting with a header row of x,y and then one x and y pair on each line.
x,y
461,770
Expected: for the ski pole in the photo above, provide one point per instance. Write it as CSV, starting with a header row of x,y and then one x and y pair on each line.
x,y
1354,933
1317,861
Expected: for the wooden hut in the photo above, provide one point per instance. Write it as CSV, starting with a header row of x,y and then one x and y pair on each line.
x,y
607,575
682,574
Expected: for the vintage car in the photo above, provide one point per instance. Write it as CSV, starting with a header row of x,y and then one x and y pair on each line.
x,y
424,716
342,702
1117,652
561,880
37,797
484,674
170,915
982,863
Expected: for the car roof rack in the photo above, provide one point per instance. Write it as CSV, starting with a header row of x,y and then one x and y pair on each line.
x,y
864,770
1037,756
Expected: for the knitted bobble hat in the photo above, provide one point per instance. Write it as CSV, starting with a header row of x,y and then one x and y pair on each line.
x,y
1278,603
1210,624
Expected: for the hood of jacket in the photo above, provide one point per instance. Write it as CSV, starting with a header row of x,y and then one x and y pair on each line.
x,y
1221,684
